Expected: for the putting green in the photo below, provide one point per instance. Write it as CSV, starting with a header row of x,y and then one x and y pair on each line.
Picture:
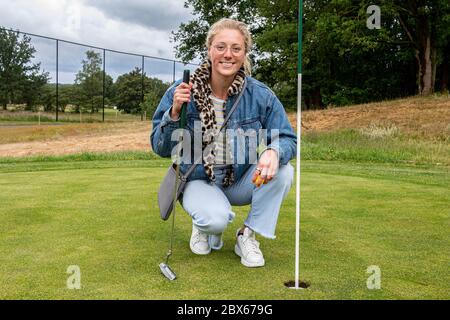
x,y
102,216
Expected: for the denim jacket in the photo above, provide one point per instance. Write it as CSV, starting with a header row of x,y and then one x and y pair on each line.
x,y
258,108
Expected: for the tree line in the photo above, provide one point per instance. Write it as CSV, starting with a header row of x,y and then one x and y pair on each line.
x,y
23,82
344,61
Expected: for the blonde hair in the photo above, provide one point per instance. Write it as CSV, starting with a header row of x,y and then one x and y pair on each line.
x,y
226,23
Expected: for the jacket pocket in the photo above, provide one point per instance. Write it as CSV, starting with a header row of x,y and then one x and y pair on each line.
x,y
247,140
249,127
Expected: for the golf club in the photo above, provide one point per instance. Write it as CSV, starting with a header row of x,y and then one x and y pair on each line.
x,y
164,266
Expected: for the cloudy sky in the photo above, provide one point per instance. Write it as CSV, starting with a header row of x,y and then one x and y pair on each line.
x,y
136,26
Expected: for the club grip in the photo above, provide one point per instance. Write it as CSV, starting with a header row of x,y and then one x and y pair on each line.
x,y
186,77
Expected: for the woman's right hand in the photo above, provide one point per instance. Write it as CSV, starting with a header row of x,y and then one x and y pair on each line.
x,y
181,95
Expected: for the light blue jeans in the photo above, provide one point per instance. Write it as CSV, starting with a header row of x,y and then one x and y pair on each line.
x,y
209,204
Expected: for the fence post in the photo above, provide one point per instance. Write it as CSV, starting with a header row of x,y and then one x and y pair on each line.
x,y
57,80
142,88
104,71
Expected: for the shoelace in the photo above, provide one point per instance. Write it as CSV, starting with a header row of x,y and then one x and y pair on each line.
x,y
200,236
252,245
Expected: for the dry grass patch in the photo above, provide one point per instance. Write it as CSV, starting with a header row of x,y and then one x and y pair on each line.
x,y
47,132
422,117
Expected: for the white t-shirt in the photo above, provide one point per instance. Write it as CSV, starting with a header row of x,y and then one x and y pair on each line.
x,y
223,156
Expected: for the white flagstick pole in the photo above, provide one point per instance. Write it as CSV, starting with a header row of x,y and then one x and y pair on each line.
x,y
299,135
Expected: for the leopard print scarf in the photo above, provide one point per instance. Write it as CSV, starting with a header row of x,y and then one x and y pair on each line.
x,y
201,91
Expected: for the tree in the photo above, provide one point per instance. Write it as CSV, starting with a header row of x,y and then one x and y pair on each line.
x,y
129,92
33,88
19,77
66,96
89,83
46,98
191,36
154,91
277,48
426,25
344,62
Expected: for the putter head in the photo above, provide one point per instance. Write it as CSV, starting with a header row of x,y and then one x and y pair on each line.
x,y
167,272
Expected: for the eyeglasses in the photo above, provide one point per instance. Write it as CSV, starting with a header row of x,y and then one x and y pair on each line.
x,y
221,47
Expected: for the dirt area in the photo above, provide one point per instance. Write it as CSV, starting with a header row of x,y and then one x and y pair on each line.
x,y
423,116
78,144
121,138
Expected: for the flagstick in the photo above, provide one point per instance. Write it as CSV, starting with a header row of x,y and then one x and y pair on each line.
x,y
297,189
299,136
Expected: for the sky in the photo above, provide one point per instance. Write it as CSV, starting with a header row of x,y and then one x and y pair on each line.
x,y
137,26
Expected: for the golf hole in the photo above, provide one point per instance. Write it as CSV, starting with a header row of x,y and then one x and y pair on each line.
x,y
301,284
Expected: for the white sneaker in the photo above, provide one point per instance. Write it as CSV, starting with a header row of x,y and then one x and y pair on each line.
x,y
248,249
199,242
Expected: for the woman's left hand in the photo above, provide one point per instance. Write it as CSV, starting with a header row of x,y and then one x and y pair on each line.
x,y
267,167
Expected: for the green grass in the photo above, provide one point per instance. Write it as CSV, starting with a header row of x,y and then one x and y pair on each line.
x,y
359,146
100,212
86,156
86,117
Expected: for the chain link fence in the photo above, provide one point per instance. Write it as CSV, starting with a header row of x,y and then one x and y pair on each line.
x,y
92,84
